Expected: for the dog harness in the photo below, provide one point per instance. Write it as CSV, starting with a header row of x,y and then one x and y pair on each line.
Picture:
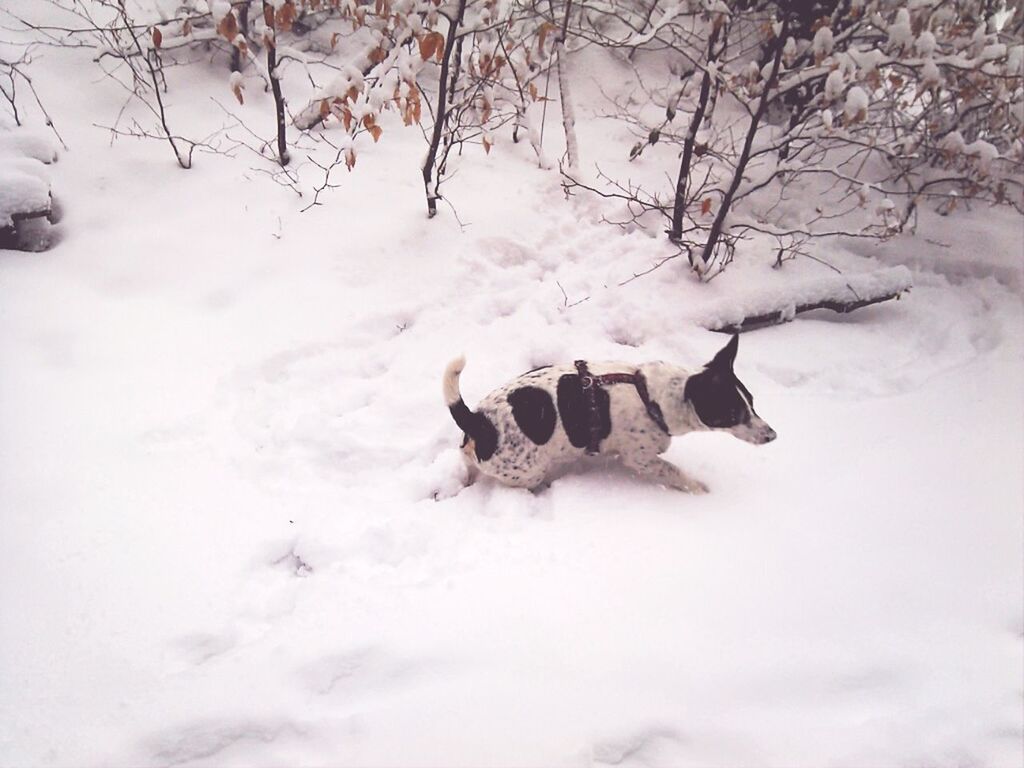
x,y
591,384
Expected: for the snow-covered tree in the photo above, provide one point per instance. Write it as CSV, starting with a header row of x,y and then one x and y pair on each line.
x,y
869,108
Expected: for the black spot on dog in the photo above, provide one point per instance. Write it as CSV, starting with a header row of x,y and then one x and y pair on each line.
x,y
534,412
478,428
572,408
715,396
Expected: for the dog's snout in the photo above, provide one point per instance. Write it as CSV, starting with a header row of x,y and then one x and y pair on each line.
x,y
769,435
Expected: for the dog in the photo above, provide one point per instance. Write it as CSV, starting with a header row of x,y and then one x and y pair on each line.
x,y
556,414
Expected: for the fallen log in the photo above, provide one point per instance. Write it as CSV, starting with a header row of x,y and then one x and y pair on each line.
x,y
24,185
46,213
839,293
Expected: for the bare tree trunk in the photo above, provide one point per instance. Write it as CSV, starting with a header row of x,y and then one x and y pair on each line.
x,y
243,30
565,96
441,114
679,206
744,158
275,84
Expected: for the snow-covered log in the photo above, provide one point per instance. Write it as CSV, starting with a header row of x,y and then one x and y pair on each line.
x,y
840,293
24,181
23,195
25,143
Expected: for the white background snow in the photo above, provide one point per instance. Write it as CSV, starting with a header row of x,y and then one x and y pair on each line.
x,y
234,532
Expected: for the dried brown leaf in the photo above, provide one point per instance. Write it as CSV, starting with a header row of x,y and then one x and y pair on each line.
x,y
228,27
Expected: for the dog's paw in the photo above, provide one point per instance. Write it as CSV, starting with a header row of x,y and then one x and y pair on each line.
x,y
444,478
696,487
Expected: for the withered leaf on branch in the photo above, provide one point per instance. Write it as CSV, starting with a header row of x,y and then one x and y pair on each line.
x,y
228,27
285,16
542,35
428,44
158,37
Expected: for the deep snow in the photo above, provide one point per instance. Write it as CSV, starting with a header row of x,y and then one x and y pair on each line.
x,y
233,525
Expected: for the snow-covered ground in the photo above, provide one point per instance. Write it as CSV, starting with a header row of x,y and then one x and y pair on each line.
x,y
234,530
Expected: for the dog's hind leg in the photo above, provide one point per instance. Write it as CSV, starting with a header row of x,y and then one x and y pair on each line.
x,y
540,487
653,467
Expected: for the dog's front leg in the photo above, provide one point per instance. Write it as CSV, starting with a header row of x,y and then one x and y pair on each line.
x,y
653,467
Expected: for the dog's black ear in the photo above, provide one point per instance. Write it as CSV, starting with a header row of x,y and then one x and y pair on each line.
x,y
726,356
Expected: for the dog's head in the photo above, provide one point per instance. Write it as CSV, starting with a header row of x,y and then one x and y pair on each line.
x,y
721,402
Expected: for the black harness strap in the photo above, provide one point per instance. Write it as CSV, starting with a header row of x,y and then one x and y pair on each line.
x,y
591,384
590,387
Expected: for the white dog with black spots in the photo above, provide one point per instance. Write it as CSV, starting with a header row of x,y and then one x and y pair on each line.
x,y
523,431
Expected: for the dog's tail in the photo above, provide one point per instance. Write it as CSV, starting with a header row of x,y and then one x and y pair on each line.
x,y
477,426
451,381
453,397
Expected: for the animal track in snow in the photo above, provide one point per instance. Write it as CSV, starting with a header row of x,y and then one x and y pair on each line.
x,y
210,739
640,748
200,647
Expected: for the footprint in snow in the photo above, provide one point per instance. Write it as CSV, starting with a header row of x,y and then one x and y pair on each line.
x,y
202,740
645,747
200,647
